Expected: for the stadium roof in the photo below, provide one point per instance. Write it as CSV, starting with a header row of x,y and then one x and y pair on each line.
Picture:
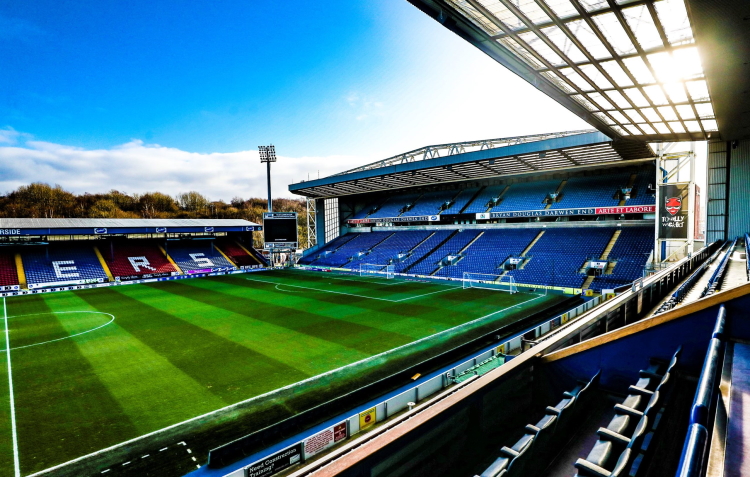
x,y
17,227
656,70
478,160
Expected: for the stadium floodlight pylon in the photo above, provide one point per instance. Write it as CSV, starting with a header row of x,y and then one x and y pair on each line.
x,y
367,269
487,281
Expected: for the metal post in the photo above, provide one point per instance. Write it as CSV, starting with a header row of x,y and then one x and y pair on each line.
x,y
268,175
268,155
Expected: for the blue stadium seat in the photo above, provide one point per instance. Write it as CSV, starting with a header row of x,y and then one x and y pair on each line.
x,y
196,255
631,251
592,191
62,263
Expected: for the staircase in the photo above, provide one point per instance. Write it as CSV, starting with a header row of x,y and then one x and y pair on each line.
x,y
473,198
460,251
558,191
370,249
533,242
604,256
406,270
499,198
403,211
631,181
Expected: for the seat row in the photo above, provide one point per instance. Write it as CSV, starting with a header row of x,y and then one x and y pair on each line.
x,y
623,439
532,452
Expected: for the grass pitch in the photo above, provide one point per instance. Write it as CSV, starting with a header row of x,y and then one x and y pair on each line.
x,y
93,368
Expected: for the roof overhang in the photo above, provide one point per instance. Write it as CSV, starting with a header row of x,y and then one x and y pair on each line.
x,y
588,150
630,68
62,226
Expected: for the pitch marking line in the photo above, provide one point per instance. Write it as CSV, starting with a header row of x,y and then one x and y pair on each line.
x,y
16,463
66,337
370,280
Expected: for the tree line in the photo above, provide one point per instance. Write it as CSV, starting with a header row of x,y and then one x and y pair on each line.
x,y
39,200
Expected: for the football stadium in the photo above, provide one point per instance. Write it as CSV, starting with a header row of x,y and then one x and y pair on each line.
x,y
555,304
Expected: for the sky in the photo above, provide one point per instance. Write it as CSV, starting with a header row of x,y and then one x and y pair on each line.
x,y
176,96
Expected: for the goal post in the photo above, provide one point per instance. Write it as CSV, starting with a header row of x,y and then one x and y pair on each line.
x,y
487,281
373,269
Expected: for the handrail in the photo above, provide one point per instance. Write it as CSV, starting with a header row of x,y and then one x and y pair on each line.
x,y
718,274
747,255
694,449
685,288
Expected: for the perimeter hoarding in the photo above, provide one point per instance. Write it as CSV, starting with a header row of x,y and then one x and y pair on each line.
x,y
673,210
276,462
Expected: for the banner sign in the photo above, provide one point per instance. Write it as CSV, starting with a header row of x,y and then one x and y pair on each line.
x,y
275,463
10,288
367,419
323,440
146,275
599,265
65,283
515,260
632,209
673,211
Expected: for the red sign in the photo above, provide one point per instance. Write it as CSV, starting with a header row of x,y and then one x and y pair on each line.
x,y
628,209
673,204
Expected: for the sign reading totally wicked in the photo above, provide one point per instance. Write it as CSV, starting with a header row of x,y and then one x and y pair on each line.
x,y
673,211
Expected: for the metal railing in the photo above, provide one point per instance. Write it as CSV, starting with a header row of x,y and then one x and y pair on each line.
x,y
718,276
688,285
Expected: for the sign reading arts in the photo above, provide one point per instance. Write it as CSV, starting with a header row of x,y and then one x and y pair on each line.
x,y
673,210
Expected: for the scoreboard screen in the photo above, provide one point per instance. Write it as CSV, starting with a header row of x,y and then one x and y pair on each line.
x,y
280,230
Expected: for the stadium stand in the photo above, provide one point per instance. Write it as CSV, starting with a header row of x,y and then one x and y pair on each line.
x,y
481,202
598,191
490,251
8,274
134,259
527,196
388,250
62,263
642,194
559,255
430,203
461,200
394,206
452,246
241,256
196,255
631,252
423,247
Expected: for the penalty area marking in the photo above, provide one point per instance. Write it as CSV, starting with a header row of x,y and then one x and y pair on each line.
x,y
112,318
14,431
349,294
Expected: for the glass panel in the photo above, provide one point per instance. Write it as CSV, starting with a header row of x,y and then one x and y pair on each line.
x,y
540,47
585,102
588,39
617,73
565,44
689,62
710,125
668,113
557,81
634,116
674,18
650,114
503,14
476,17
685,111
593,5
636,97
647,129
705,110
693,126
614,33
676,92
617,98
621,131
532,11
596,76
604,118
662,128
639,70
521,52
677,127
698,90
619,117
633,130
656,94
562,8
642,25
601,101
576,79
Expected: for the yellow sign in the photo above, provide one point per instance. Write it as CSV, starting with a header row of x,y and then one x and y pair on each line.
x,y
564,318
366,418
501,349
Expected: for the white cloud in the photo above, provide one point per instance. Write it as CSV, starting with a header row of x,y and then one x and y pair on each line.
x,y
138,167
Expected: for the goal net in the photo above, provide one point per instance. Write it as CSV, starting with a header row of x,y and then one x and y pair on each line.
x,y
371,269
504,283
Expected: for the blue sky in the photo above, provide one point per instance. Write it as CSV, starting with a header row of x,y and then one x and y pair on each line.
x,y
184,92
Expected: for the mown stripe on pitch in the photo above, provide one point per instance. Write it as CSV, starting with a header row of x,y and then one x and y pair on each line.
x,y
145,384
224,367
60,399
304,352
360,337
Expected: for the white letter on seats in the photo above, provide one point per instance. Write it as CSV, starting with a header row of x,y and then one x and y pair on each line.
x,y
60,271
200,259
140,262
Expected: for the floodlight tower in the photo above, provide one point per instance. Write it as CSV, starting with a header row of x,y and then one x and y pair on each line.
x,y
268,155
